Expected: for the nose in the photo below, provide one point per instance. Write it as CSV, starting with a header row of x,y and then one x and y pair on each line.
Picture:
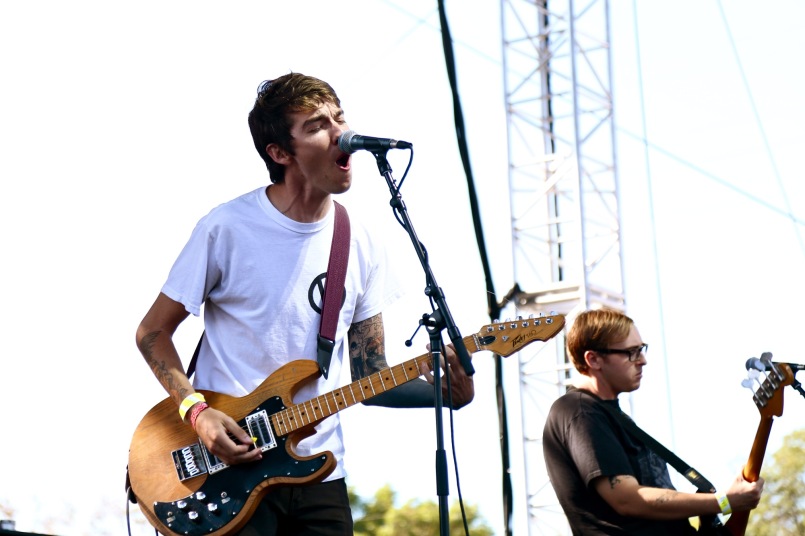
x,y
337,131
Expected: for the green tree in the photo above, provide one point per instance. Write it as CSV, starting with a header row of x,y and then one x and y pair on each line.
x,y
379,517
780,510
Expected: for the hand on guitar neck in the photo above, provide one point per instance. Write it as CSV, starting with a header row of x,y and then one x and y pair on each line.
x,y
463,388
744,495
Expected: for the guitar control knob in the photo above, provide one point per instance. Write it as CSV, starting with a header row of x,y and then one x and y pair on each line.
x,y
201,496
181,505
192,515
212,508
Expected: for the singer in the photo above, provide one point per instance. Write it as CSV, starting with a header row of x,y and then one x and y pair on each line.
x,y
257,264
608,477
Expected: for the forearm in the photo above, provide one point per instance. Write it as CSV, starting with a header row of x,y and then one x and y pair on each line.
x,y
160,353
666,504
155,341
630,499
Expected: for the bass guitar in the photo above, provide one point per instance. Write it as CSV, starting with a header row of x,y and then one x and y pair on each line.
x,y
768,398
183,489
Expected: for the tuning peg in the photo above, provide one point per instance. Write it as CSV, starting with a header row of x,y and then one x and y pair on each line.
x,y
747,383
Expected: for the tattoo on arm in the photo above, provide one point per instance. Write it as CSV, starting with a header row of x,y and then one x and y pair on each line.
x,y
665,497
159,367
614,481
367,353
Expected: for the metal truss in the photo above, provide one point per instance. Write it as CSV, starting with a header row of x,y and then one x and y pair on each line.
x,y
564,198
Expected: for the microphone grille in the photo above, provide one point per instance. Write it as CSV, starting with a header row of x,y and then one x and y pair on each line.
x,y
344,141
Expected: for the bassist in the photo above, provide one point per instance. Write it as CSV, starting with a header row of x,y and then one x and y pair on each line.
x,y
257,265
606,482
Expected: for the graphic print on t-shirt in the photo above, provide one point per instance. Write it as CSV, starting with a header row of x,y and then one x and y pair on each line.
x,y
315,293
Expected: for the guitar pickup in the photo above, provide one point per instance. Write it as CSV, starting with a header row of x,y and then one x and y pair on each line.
x,y
260,429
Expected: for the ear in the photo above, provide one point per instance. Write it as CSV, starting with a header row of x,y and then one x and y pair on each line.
x,y
278,154
592,359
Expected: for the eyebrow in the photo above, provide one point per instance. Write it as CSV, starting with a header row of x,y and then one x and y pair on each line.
x,y
320,115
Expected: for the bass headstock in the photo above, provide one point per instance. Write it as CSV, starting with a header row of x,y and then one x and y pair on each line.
x,y
768,392
506,338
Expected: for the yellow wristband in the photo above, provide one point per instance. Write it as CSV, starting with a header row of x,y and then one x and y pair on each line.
x,y
724,504
188,403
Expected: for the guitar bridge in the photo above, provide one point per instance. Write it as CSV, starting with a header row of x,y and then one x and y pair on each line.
x,y
190,461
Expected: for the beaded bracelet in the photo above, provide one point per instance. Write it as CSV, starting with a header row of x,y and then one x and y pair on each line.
x,y
724,504
194,413
188,402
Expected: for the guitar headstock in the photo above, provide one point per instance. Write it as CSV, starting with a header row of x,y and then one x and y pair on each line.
x,y
506,338
768,396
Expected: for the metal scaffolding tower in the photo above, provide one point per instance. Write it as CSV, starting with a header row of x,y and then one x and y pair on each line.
x,y
564,198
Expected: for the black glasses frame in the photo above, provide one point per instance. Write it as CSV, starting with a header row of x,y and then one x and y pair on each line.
x,y
632,353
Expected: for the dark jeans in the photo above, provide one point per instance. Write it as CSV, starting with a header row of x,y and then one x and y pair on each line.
x,y
318,509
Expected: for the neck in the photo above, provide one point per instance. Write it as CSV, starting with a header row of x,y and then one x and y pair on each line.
x,y
597,387
298,204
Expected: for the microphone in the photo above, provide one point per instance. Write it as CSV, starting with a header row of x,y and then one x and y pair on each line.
x,y
349,142
761,365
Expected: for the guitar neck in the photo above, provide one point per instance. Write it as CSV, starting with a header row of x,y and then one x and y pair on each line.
x,y
319,408
738,521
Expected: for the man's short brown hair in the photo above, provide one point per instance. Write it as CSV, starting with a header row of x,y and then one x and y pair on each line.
x,y
595,329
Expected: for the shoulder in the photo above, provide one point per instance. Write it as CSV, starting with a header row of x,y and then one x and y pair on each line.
x,y
244,210
574,401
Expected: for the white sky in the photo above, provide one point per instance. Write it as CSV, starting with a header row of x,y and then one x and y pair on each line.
x,y
122,124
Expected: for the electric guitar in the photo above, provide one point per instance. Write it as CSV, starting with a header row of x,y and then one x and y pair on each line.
x,y
769,400
183,489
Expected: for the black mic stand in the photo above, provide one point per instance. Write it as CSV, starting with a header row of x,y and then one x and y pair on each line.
x,y
439,320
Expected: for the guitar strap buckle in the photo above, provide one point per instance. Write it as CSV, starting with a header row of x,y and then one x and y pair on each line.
x,y
325,354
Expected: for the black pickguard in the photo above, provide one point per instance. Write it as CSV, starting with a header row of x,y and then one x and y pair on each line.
x,y
229,490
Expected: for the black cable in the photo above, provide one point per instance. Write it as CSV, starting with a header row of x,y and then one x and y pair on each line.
x,y
492,305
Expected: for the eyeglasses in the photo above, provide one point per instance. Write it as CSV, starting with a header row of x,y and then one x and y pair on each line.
x,y
633,353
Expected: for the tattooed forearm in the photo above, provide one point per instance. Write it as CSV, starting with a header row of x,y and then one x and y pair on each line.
x,y
665,497
160,368
367,353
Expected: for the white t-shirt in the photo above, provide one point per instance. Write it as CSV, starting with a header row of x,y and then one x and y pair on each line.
x,y
260,277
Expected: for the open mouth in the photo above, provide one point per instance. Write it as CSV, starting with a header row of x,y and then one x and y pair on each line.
x,y
343,160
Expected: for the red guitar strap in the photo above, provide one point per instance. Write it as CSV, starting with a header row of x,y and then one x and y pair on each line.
x,y
333,288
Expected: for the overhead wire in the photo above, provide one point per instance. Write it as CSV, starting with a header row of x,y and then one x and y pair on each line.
x,y
652,221
761,128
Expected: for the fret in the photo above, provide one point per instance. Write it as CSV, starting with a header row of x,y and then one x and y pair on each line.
x,y
392,376
294,420
276,420
343,398
405,371
360,384
371,385
352,392
329,409
336,394
382,383
304,413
